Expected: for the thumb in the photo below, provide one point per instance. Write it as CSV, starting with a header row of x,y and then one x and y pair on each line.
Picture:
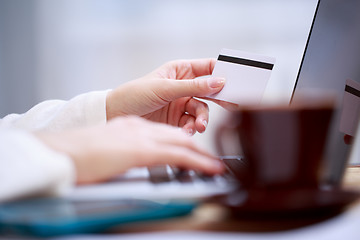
x,y
198,87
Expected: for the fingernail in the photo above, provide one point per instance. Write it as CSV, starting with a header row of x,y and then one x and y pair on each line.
x,y
205,123
189,132
216,82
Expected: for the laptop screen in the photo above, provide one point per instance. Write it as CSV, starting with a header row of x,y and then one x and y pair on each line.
x,y
332,63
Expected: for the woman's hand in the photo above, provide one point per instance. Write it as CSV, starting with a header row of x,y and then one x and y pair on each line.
x,y
102,152
166,95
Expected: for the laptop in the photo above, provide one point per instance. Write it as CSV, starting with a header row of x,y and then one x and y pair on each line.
x,y
331,61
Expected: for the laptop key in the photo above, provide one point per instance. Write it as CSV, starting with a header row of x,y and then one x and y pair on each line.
x,y
160,174
184,176
204,177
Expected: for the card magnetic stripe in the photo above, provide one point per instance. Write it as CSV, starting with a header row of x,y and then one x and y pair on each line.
x,y
246,62
352,90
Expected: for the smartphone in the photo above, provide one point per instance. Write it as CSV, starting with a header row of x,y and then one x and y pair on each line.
x,y
52,217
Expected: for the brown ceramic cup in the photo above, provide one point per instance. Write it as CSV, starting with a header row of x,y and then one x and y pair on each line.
x,y
283,144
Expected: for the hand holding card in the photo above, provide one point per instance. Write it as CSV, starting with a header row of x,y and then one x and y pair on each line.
x,y
246,76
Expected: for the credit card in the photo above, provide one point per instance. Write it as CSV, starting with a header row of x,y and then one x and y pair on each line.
x,y
246,75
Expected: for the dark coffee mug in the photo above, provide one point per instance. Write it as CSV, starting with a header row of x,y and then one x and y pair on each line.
x,y
283,144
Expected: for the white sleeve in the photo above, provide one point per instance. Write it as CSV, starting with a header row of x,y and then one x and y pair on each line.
x,y
28,167
83,110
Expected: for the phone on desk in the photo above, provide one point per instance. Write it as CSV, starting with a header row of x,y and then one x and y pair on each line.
x,y
51,217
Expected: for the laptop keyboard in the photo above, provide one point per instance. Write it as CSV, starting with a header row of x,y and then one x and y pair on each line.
x,y
164,182
163,174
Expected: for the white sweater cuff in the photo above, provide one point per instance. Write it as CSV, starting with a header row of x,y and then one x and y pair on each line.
x,y
83,110
30,168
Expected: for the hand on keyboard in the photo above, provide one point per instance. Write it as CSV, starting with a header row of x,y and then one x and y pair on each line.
x,y
235,166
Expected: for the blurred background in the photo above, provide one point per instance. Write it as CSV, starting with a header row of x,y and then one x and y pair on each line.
x,y
58,49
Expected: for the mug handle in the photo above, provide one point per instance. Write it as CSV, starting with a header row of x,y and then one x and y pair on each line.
x,y
224,132
219,139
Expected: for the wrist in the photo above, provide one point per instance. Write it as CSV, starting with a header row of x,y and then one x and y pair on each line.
x,y
113,104
66,143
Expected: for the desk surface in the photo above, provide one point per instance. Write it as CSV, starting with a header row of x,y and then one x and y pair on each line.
x,y
216,219
212,222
